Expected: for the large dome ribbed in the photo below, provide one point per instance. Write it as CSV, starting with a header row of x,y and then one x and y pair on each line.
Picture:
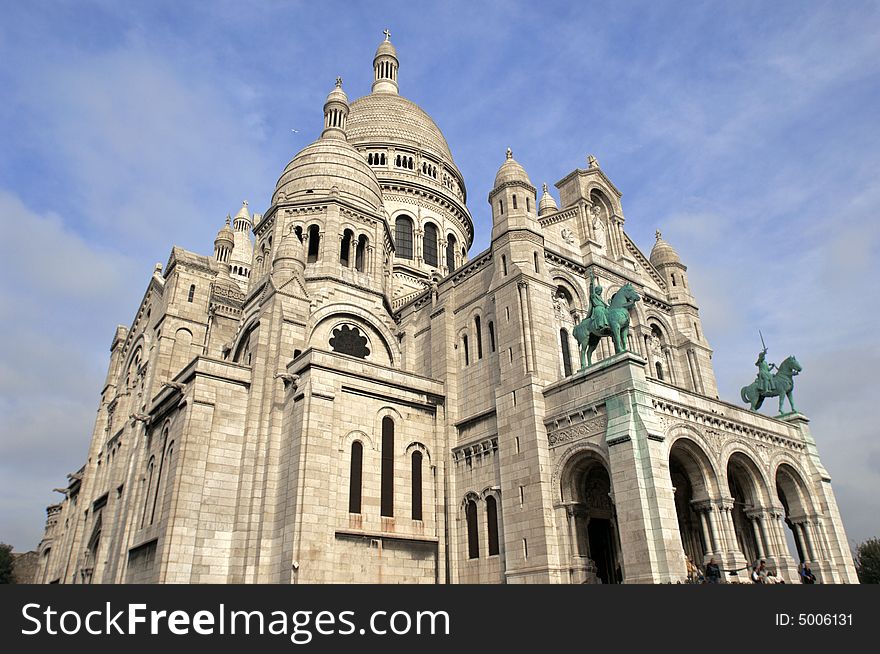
x,y
327,163
391,118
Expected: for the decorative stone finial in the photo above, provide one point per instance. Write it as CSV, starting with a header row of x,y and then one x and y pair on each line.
x,y
592,162
658,234
244,203
228,220
338,82
387,34
544,186
509,153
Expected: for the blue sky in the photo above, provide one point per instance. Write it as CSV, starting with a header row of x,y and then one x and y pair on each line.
x,y
746,131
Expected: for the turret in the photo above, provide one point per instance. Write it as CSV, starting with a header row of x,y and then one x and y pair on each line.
x,y
512,199
335,113
666,260
385,66
289,259
547,205
243,250
224,244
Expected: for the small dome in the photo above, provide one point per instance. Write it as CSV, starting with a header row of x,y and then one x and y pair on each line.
x,y
226,233
547,203
325,165
386,48
289,248
511,171
243,212
337,94
662,253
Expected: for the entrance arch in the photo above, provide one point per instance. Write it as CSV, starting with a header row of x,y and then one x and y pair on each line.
x,y
793,493
693,481
743,483
586,487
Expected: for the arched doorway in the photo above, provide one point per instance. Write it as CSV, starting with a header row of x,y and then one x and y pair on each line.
x,y
587,487
744,490
792,493
688,470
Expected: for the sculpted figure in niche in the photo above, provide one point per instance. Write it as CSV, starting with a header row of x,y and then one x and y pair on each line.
x,y
598,226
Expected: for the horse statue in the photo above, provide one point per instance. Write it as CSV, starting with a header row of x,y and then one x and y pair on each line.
x,y
780,384
605,320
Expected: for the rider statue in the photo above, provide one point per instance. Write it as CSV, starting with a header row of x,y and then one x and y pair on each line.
x,y
599,308
765,377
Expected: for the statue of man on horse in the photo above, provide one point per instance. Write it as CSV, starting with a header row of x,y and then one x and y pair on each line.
x,y
605,319
767,384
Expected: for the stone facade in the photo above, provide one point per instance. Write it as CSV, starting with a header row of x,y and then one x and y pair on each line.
x,y
349,398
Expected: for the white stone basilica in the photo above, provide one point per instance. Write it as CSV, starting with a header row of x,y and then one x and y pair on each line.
x,y
340,394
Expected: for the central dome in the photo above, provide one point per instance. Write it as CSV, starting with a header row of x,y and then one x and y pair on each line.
x,y
391,118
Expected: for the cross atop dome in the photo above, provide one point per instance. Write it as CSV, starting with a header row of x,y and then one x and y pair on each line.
x,y
509,153
387,33
338,82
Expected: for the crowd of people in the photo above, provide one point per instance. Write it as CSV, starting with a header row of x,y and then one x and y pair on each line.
x,y
759,573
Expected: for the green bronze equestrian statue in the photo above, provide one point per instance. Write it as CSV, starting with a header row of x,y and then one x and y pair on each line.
x,y
767,384
605,320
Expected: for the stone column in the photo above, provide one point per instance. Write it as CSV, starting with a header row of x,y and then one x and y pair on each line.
x,y
706,538
525,313
758,540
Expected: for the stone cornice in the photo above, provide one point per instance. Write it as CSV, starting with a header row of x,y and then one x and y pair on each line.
x,y
475,449
558,217
730,425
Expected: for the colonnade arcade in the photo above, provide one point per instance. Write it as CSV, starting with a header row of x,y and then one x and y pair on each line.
x,y
740,517
733,511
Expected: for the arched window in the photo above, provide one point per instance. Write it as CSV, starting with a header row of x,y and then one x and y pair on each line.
x,y
535,254
355,477
514,202
464,344
473,531
528,204
192,293
387,500
345,248
501,206
148,484
659,367
479,330
360,256
450,252
673,280
403,237
314,244
416,485
492,524
298,230
165,473
491,336
504,265
429,244
566,352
